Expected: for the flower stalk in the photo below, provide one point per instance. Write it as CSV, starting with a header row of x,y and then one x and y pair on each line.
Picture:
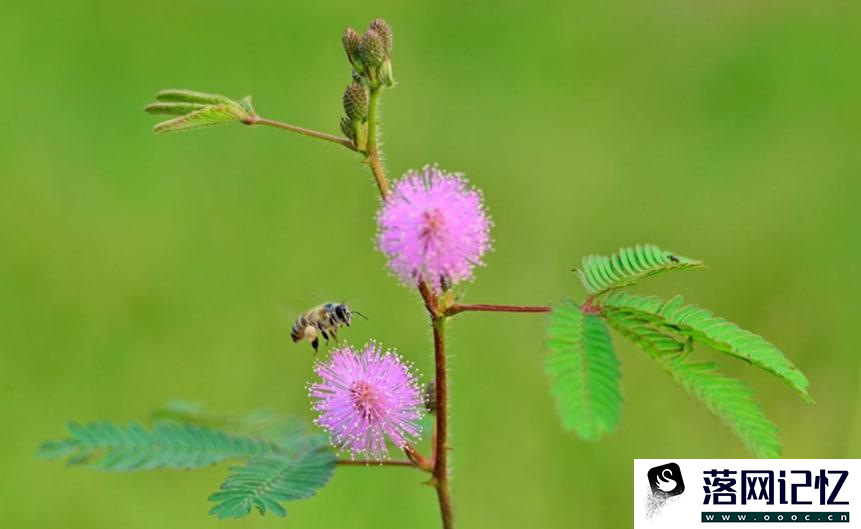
x,y
257,120
372,152
440,457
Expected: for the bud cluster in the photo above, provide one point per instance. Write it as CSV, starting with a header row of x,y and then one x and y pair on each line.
x,y
370,55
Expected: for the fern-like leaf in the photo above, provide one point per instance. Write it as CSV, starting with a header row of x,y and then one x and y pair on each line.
x,y
600,274
729,399
166,445
703,326
266,481
584,371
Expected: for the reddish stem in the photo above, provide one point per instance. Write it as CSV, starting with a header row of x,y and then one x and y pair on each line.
x,y
440,467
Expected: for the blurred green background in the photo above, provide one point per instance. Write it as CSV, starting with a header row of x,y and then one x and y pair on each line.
x,y
135,268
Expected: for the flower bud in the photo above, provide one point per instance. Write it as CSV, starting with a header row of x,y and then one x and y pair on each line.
x,y
347,128
385,31
356,102
352,43
372,49
385,73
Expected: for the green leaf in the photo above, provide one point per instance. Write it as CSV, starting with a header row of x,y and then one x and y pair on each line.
x,y
199,109
729,399
207,117
166,445
584,372
600,274
173,109
703,326
267,481
190,96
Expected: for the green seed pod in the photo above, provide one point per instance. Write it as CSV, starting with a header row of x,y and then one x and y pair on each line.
x,y
356,102
372,49
385,30
352,43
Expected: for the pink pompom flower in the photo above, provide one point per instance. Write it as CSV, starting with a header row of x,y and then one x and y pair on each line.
x,y
433,228
366,397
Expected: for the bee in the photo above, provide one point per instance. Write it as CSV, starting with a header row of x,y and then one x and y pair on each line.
x,y
323,320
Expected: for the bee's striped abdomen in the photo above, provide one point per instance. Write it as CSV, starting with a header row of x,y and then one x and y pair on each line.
x,y
297,333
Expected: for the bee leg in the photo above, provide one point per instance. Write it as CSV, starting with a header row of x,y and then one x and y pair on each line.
x,y
326,336
334,336
315,343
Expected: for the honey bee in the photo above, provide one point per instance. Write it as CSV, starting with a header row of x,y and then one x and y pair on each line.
x,y
324,321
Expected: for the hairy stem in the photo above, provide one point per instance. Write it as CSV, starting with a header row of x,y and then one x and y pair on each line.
x,y
458,308
346,142
372,154
440,468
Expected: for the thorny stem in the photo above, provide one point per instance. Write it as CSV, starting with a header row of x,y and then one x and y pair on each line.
x,y
458,308
257,120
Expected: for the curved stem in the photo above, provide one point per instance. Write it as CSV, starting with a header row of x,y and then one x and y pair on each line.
x,y
458,308
257,120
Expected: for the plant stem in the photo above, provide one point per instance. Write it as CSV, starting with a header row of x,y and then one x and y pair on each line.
x,y
372,154
440,468
346,142
458,308
417,459
438,465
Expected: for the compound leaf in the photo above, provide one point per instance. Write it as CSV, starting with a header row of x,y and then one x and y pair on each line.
x,y
584,371
600,274
264,482
198,109
166,445
729,399
703,326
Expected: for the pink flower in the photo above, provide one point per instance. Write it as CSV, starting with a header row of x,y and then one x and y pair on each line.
x,y
433,228
365,397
